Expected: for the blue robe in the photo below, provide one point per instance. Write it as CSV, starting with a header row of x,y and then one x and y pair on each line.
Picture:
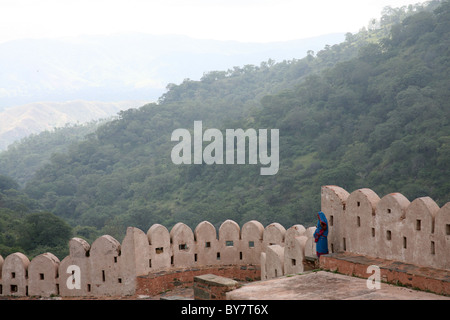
x,y
321,233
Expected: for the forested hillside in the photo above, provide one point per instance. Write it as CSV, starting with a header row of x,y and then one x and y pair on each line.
x,y
371,112
24,157
25,228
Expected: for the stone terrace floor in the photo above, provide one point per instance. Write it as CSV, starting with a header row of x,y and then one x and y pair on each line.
x,y
312,285
324,285
342,276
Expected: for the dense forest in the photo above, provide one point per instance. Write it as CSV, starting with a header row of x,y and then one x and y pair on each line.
x,y
370,112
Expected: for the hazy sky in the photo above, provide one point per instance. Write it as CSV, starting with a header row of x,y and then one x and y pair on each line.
x,y
242,20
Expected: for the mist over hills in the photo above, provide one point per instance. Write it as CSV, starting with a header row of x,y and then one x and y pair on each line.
x,y
24,120
125,66
47,83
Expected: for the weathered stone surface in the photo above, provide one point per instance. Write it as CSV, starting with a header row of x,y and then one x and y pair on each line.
x,y
162,281
396,272
42,275
214,280
213,287
324,285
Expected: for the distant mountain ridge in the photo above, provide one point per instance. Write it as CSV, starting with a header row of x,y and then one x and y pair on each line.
x,y
107,69
21,121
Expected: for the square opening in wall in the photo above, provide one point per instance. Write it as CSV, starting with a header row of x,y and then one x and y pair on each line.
x,y
447,229
229,243
41,276
251,244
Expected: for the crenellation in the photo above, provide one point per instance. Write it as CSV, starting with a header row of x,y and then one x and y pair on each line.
x,y
15,275
207,244
361,222
440,247
159,250
274,262
230,243
273,234
183,246
389,219
105,272
43,275
76,263
252,237
135,252
333,203
392,227
310,245
294,249
1,266
418,231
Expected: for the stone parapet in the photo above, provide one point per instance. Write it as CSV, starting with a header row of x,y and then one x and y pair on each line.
x,y
391,227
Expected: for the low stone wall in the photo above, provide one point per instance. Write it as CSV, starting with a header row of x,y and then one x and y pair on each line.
x,y
393,272
213,287
158,282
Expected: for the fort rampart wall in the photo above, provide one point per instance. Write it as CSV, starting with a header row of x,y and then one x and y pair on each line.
x,y
390,227
416,232
108,267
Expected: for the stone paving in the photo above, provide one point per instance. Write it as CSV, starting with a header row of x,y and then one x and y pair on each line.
x,y
323,285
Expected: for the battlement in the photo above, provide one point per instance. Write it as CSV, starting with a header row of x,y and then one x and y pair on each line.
x,y
390,227
415,232
108,267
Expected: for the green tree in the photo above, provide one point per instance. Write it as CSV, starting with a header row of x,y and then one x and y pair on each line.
x,y
44,229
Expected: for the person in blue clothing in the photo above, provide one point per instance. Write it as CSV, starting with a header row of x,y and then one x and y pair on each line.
x,y
320,235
